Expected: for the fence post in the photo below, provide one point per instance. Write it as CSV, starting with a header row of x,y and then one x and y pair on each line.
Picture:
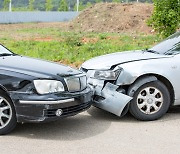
x,y
77,5
10,5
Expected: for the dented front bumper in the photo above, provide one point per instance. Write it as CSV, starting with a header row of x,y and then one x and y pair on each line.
x,y
43,108
108,98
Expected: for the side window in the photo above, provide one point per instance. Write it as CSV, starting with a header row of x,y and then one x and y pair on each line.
x,y
177,47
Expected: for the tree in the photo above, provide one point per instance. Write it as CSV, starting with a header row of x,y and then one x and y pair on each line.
x,y
88,4
31,5
81,6
48,5
98,1
63,5
5,4
116,1
166,16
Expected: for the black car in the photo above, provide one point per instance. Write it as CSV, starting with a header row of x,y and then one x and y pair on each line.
x,y
33,90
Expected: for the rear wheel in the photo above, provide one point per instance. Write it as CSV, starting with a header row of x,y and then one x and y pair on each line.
x,y
150,102
7,114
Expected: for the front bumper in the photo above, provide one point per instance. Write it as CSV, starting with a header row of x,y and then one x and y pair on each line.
x,y
43,108
107,97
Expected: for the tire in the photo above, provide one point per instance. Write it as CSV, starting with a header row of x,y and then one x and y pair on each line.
x,y
150,101
7,114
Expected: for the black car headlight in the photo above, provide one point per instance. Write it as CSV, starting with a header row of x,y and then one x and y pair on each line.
x,y
48,86
107,74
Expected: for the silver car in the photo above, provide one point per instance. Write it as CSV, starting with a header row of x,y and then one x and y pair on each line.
x,y
146,82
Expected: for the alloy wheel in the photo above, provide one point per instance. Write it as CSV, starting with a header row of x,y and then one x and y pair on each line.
x,y
149,100
5,112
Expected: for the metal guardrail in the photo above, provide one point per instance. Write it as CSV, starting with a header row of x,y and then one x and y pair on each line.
x,y
23,17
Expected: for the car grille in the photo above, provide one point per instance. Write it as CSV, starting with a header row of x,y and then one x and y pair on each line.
x,y
76,83
68,110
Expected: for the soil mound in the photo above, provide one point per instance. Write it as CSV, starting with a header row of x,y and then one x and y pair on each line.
x,y
114,17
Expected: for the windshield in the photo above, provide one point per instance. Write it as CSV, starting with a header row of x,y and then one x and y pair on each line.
x,y
4,51
169,46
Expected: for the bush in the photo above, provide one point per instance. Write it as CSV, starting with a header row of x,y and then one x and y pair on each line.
x,y
166,17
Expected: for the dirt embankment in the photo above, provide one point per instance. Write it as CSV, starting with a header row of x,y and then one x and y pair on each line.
x,y
101,17
114,17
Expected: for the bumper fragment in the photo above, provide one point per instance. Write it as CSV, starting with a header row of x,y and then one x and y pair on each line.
x,y
111,100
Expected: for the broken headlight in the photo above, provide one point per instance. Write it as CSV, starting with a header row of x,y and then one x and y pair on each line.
x,y
48,86
107,74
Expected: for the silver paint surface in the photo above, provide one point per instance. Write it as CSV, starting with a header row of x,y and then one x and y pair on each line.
x,y
134,64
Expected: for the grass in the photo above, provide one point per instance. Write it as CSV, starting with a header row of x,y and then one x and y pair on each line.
x,y
71,47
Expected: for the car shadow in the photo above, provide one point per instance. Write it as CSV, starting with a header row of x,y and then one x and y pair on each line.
x,y
172,114
85,125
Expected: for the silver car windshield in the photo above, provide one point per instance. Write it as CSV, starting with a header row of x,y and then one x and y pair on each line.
x,y
4,51
169,46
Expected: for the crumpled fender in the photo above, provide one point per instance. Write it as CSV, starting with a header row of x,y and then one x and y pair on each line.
x,y
141,81
113,101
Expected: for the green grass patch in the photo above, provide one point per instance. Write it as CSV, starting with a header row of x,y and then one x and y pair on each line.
x,y
72,47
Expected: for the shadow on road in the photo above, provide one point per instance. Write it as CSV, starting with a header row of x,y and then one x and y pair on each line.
x,y
84,125
81,126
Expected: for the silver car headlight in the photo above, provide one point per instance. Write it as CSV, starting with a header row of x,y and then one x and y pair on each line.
x,y
107,74
48,86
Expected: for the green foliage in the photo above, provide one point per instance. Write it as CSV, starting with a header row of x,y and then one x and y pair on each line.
x,y
116,1
81,6
19,8
88,4
5,5
166,17
23,5
48,5
31,5
63,6
98,1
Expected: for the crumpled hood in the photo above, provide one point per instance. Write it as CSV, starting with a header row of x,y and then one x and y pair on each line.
x,y
35,67
107,61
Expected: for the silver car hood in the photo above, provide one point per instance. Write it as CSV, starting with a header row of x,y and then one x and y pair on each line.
x,y
109,60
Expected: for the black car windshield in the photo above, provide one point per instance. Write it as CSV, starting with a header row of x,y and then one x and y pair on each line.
x,y
169,46
4,51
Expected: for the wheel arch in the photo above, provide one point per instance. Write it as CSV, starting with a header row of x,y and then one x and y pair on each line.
x,y
151,77
2,88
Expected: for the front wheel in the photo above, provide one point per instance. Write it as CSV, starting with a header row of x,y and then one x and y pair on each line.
x,y
150,102
7,114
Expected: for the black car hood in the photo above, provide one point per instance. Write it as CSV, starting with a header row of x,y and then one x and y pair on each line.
x,y
35,67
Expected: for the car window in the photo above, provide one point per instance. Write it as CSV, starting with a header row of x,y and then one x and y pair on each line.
x,y
177,47
168,45
3,50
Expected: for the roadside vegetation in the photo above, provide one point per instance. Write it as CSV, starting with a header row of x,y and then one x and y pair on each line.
x,y
166,17
69,47
55,5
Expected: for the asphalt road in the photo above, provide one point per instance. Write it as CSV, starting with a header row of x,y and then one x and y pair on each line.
x,y
96,131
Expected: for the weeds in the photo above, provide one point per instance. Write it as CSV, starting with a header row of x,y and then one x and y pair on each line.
x,y
72,47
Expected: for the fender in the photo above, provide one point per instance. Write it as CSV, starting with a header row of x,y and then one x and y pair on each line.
x,y
139,82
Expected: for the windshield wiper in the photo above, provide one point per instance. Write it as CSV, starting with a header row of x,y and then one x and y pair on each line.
x,y
6,54
151,51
